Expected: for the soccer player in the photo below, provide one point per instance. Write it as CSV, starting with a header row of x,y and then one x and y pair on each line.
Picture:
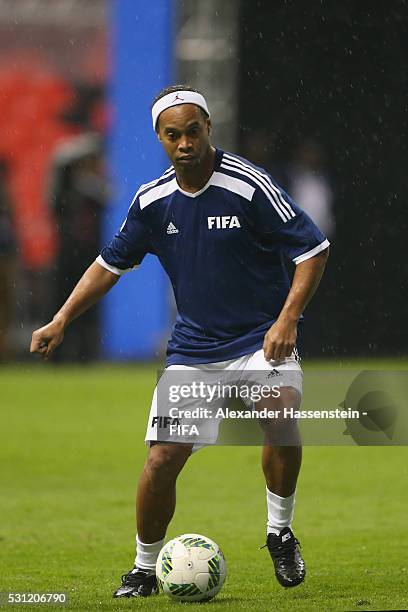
x,y
221,228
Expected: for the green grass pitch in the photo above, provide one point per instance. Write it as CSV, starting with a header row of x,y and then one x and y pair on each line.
x,y
71,450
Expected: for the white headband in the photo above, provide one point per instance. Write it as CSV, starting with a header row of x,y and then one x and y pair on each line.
x,y
175,98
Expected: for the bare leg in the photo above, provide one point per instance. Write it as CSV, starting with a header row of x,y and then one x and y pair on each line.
x,y
156,494
281,464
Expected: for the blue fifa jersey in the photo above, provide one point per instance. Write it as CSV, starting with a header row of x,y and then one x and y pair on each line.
x,y
223,249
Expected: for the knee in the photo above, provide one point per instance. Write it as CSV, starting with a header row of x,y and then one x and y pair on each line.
x,y
281,434
281,431
167,459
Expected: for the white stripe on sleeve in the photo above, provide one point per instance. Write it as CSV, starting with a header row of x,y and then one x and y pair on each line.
x,y
112,269
283,214
265,178
320,247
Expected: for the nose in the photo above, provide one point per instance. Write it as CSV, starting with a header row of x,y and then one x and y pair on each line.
x,y
185,144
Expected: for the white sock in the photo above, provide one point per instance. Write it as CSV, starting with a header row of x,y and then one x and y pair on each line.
x,y
280,511
146,554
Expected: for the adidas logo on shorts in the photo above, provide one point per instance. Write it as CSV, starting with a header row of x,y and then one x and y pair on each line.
x,y
273,373
172,229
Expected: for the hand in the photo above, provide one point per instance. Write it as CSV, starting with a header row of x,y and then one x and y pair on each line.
x,y
46,339
280,340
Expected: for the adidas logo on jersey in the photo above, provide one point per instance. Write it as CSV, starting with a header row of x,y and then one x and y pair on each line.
x,y
172,229
223,222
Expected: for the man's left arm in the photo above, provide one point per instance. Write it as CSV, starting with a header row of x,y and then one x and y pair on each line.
x,y
280,339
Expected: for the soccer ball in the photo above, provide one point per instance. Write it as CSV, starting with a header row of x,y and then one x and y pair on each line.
x,y
191,568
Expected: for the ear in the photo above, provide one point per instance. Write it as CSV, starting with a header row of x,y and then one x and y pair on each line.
x,y
209,126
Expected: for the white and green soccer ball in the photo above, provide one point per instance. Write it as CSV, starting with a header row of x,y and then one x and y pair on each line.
x,y
191,568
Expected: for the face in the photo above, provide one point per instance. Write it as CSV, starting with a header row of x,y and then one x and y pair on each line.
x,y
185,135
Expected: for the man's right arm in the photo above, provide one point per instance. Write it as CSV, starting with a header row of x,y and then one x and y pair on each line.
x,y
93,285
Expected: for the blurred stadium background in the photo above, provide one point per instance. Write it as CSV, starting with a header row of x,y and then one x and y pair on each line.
x,y
314,95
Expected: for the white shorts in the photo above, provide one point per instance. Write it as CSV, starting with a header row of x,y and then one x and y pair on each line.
x,y
183,413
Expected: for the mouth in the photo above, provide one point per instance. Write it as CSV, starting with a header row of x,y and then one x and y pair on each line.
x,y
186,158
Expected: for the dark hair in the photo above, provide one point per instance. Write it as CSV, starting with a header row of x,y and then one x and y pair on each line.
x,y
173,89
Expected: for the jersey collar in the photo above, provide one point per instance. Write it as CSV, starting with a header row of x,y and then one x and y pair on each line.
x,y
217,162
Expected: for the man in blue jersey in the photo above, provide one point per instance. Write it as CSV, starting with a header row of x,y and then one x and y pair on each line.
x,y
221,229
